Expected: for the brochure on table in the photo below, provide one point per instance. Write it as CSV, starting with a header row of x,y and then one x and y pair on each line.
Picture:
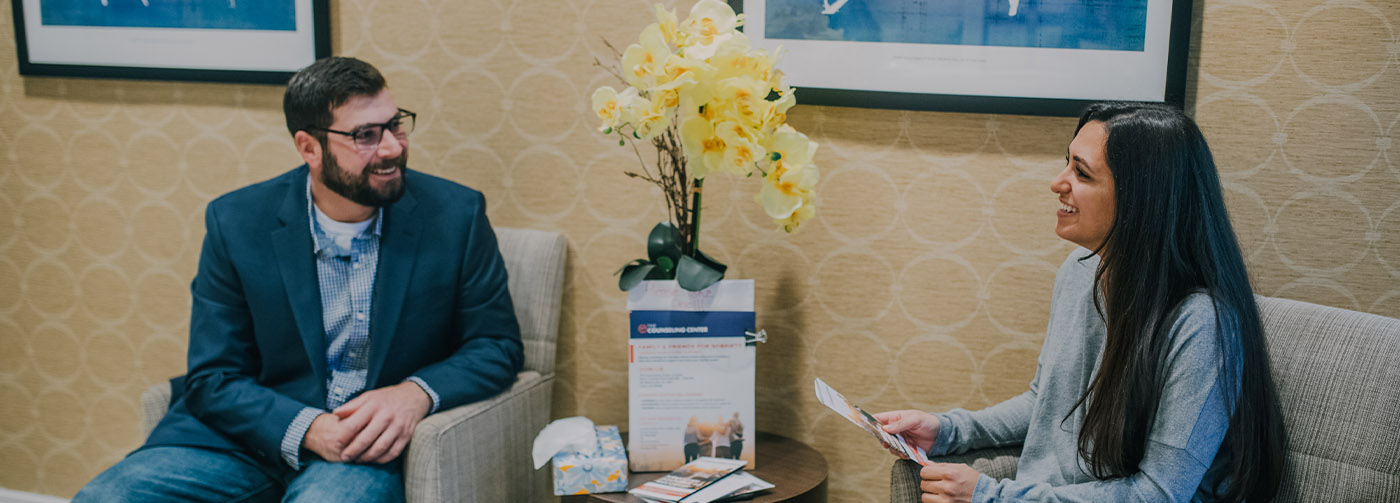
x,y
685,484
690,374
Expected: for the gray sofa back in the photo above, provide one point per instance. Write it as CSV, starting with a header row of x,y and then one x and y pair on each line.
x,y
1338,377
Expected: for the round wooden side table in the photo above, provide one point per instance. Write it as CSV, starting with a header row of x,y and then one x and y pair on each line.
x,y
797,472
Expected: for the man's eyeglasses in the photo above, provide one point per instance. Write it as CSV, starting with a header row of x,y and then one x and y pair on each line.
x,y
368,136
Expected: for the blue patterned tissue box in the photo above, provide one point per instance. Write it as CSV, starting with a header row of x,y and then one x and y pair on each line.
x,y
604,471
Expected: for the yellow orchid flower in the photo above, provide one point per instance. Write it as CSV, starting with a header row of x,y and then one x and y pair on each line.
x,y
703,147
670,26
742,99
790,149
742,150
652,118
775,112
791,175
737,57
802,214
606,105
642,63
616,109
711,22
681,73
786,189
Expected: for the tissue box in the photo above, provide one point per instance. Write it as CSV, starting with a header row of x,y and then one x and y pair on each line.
x,y
604,471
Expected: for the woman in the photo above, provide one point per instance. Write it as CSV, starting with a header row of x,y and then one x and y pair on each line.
x,y
1158,387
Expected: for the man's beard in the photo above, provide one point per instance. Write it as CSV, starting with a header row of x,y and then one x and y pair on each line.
x,y
358,189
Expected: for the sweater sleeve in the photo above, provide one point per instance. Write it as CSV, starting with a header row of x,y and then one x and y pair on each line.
x,y
1002,424
1192,418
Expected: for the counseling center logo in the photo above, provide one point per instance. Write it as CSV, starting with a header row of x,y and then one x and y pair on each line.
x,y
652,328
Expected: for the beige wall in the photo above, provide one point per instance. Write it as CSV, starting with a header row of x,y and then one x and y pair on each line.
x,y
923,282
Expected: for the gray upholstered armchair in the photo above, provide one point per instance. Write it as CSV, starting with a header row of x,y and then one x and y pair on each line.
x,y
481,451
1338,377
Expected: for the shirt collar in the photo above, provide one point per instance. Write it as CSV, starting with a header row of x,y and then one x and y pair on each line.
x,y
317,245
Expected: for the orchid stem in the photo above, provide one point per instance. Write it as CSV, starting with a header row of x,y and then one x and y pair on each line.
x,y
695,219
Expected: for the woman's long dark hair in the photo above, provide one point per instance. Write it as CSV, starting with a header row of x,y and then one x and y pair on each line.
x,y
1171,236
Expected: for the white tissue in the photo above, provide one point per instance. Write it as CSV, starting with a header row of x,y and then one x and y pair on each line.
x,y
569,433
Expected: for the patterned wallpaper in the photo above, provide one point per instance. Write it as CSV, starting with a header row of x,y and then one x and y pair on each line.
x,y
923,282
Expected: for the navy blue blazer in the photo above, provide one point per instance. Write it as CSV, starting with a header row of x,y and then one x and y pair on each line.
x,y
441,311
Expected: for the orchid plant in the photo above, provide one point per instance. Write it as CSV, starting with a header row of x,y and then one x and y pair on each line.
x,y
709,102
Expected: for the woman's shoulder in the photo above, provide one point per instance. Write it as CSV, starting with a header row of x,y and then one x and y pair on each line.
x,y
1077,271
1195,309
1195,327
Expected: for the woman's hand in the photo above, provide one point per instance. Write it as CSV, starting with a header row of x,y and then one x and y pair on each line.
x,y
948,483
919,428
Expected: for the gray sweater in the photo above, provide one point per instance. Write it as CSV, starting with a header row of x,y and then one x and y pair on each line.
x,y
1180,462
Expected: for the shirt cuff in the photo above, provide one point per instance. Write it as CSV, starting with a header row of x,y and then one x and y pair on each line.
x,y
985,491
945,436
426,389
291,441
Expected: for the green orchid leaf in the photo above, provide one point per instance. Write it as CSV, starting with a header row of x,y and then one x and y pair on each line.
x,y
634,273
695,275
664,241
710,261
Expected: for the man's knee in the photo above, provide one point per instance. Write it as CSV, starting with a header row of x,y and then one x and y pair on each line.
x,y
104,488
178,474
324,482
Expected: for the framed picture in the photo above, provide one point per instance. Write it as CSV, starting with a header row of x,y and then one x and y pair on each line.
x,y
259,41
1033,57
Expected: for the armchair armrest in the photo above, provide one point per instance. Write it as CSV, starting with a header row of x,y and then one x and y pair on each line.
x,y
998,463
476,452
481,451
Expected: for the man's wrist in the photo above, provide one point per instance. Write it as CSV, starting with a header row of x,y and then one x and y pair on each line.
x,y
296,436
433,400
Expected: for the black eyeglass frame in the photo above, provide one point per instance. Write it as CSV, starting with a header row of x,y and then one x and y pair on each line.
x,y
382,128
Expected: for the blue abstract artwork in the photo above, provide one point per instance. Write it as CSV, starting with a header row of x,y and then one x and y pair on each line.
x,y
206,14
1115,25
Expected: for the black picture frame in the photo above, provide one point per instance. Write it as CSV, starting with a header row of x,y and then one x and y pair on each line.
x,y
1174,19
182,53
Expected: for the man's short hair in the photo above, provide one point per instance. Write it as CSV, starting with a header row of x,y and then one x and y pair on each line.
x,y
324,85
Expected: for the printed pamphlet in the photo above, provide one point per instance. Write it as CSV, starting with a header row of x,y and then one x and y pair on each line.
x,y
734,487
688,479
867,422
690,374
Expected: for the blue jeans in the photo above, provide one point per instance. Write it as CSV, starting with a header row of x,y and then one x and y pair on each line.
x,y
189,474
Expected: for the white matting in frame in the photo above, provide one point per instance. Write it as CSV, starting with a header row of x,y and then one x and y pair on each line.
x,y
221,40
925,54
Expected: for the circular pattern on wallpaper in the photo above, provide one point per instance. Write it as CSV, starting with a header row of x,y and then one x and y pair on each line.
x,y
1341,52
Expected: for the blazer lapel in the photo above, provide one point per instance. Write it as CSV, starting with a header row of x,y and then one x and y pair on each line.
x,y
398,252
297,264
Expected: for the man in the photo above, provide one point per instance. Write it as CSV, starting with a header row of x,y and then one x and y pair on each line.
x,y
334,307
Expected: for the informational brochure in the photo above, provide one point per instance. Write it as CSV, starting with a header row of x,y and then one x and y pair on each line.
x,y
838,402
690,374
730,488
688,479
